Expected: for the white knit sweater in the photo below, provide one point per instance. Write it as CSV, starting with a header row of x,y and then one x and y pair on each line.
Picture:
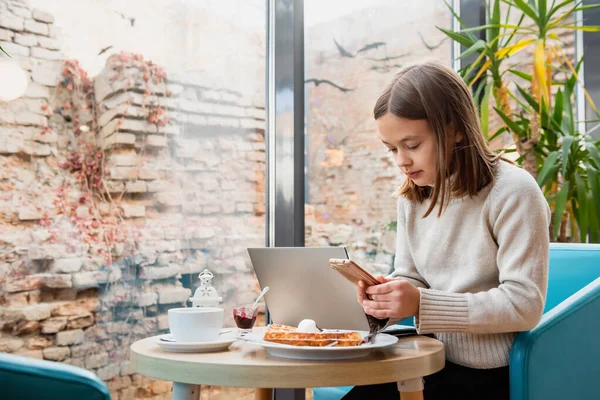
x,y
481,267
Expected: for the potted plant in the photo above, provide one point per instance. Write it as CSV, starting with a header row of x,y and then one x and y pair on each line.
x,y
534,105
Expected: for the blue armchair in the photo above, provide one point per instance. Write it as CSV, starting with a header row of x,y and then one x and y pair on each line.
x,y
28,378
560,358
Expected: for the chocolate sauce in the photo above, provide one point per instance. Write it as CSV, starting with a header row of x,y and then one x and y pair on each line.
x,y
375,325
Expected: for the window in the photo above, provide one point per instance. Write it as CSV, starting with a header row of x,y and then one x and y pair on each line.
x,y
135,160
591,52
352,49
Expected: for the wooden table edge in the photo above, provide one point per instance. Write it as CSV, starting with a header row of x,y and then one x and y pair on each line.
x,y
332,373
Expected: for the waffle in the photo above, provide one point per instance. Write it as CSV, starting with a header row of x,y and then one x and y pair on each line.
x,y
284,334
279,327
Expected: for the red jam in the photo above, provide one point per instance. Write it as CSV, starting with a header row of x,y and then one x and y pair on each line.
x,y
244,319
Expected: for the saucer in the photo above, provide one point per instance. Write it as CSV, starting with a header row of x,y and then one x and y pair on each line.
x,y
169,344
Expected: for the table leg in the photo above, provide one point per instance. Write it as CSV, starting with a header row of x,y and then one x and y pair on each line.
x,y
411,389
411,395
185,391
263,394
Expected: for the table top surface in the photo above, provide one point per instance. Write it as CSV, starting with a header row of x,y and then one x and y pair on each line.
x,y
248,364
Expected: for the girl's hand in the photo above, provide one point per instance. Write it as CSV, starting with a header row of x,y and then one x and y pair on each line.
x,y
393,298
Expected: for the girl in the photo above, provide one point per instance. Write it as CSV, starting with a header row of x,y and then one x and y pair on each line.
x,y
472,243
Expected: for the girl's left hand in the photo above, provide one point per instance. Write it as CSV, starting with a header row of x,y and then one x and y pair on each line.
x,y
393,298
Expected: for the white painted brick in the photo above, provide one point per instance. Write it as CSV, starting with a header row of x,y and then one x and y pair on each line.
x,y
46,54
197,119
173,295
43,16
197,106
158,186
34,105
156,141
9,21
36,149
49,43
55,31
230,97
252,124
127,158
21,12
211,95
6,117
174,88
117,139
25,63
132,211
26,39
136,187
35,90
36,27
47,73
30,118
256,113
15,49
121,173
11,146
226,122
67,265
6,35
152,273
28,213
229,110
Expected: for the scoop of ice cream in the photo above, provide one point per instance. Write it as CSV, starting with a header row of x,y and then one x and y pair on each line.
x,y
307,326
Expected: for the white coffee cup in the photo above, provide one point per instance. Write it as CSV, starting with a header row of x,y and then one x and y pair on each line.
x,y
195,324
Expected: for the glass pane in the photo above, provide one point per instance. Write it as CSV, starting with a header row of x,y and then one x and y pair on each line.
x,y
591,51
472,14
134,160
353,48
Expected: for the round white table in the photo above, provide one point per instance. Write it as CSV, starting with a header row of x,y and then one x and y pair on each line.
x,y
247,364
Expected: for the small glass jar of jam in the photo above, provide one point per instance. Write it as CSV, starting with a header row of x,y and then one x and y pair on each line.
x,y
245,318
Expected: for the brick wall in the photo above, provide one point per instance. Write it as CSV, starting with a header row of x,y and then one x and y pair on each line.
x,y
116,191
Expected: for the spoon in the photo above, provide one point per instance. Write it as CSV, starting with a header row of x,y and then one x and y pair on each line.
x,y
265,290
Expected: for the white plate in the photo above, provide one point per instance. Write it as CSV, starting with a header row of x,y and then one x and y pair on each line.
x,y
222,343
382,340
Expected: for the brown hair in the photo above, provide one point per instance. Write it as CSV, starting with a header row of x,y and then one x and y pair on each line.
x,y
434,92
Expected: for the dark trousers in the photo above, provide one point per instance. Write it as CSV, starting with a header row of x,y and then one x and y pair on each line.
x,y
452,382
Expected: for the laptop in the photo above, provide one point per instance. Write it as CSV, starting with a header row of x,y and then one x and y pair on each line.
x,y
303,286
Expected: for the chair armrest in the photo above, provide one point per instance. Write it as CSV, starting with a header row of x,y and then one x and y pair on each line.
x,y
30,378
559,357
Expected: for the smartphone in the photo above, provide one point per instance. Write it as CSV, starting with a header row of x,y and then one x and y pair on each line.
x,y
352,271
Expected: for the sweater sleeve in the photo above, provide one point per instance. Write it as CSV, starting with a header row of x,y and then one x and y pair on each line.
x,y
404,266
519,219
